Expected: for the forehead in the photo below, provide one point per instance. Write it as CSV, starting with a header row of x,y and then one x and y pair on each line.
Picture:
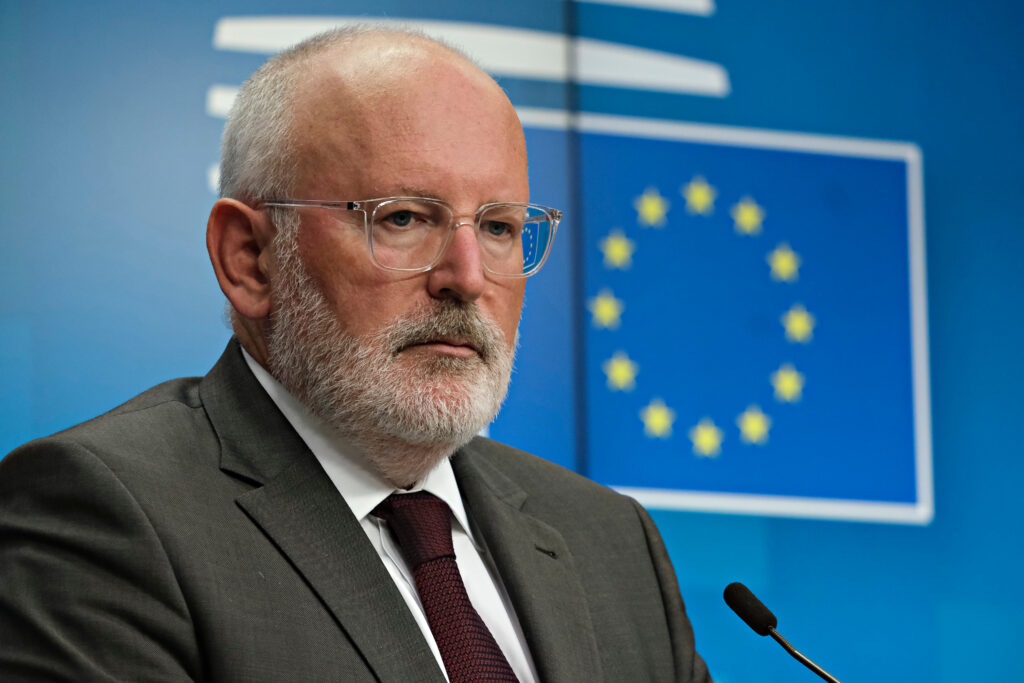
x,y
370,122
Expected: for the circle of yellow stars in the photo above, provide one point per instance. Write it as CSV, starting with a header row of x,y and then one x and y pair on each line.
x,y
606,309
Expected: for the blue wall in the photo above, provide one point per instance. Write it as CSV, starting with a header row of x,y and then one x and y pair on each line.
x,y
106,289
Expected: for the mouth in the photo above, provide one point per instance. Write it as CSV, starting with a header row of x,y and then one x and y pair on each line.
x,y
449,346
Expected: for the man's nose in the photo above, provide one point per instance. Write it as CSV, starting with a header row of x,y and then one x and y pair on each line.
x,y
460,272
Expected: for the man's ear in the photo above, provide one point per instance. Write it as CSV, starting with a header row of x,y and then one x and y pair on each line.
x,y
238,239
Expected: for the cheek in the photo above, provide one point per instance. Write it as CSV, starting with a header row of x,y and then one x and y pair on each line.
x,y
505,307
340,268
367,308
365,302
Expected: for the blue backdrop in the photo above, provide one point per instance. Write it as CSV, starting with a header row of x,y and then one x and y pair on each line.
x,y
111,122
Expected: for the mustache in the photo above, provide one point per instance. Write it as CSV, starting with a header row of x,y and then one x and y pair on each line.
x,y
448,320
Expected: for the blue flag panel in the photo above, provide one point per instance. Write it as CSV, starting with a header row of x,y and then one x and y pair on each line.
x,y
755,334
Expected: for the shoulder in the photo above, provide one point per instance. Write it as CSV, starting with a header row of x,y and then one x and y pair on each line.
x,y
527,469
81,511
549,489
154,407
156,432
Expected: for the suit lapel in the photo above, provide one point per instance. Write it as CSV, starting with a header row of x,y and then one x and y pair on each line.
x,y
302,512
297,507
536,567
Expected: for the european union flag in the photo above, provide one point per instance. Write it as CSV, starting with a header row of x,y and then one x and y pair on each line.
x,y
756,330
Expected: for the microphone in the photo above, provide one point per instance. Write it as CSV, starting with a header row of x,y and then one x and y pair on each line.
x,y
758,617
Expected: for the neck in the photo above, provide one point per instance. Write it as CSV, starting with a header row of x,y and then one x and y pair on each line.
x,y
400,463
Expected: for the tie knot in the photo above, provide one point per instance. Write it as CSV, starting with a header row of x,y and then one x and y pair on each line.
x,y
421,523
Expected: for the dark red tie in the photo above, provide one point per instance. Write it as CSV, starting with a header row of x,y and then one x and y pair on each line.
x,y
422,525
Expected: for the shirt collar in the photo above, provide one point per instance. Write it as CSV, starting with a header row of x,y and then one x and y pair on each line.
x,y
355,479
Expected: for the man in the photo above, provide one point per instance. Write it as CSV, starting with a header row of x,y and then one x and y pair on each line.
x,y
373,239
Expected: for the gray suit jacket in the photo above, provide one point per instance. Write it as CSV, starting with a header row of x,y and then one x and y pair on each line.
x,y
190,534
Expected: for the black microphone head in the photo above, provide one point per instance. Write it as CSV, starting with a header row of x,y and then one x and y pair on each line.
x,y
751,610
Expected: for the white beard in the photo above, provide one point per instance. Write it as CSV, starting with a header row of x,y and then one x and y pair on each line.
x,y
405,413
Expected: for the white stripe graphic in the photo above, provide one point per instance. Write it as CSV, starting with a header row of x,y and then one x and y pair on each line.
x,y
703,8
505,51
219,99
624,66
782,506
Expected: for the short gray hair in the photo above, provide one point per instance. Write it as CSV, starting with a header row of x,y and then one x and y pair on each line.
x,y
256,150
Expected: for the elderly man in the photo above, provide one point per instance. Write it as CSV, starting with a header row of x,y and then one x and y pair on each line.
x,y
317,507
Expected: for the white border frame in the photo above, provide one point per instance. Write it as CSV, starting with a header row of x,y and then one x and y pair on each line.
x,y
921,512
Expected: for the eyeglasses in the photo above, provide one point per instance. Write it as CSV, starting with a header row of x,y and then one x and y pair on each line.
x,y
411,233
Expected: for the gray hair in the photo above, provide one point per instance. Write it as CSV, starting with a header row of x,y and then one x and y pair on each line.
x,y
256,160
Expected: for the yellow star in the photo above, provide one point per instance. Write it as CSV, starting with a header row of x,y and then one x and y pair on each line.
x,y
706,438
799,324
747,216
606,309
700,197
785,263
621,372
788,383
618,250
658,419
651,208
754,425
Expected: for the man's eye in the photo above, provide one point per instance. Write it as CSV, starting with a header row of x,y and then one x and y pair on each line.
x,y
497,228
401,219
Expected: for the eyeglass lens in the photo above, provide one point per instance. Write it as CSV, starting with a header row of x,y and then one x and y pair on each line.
x,y
409,234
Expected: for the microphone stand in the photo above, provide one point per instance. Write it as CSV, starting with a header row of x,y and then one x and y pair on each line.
x,y
800,656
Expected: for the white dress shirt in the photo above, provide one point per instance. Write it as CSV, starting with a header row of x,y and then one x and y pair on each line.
x,y
363,489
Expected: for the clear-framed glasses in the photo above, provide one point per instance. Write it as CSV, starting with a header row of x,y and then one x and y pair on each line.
x,y
411,233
